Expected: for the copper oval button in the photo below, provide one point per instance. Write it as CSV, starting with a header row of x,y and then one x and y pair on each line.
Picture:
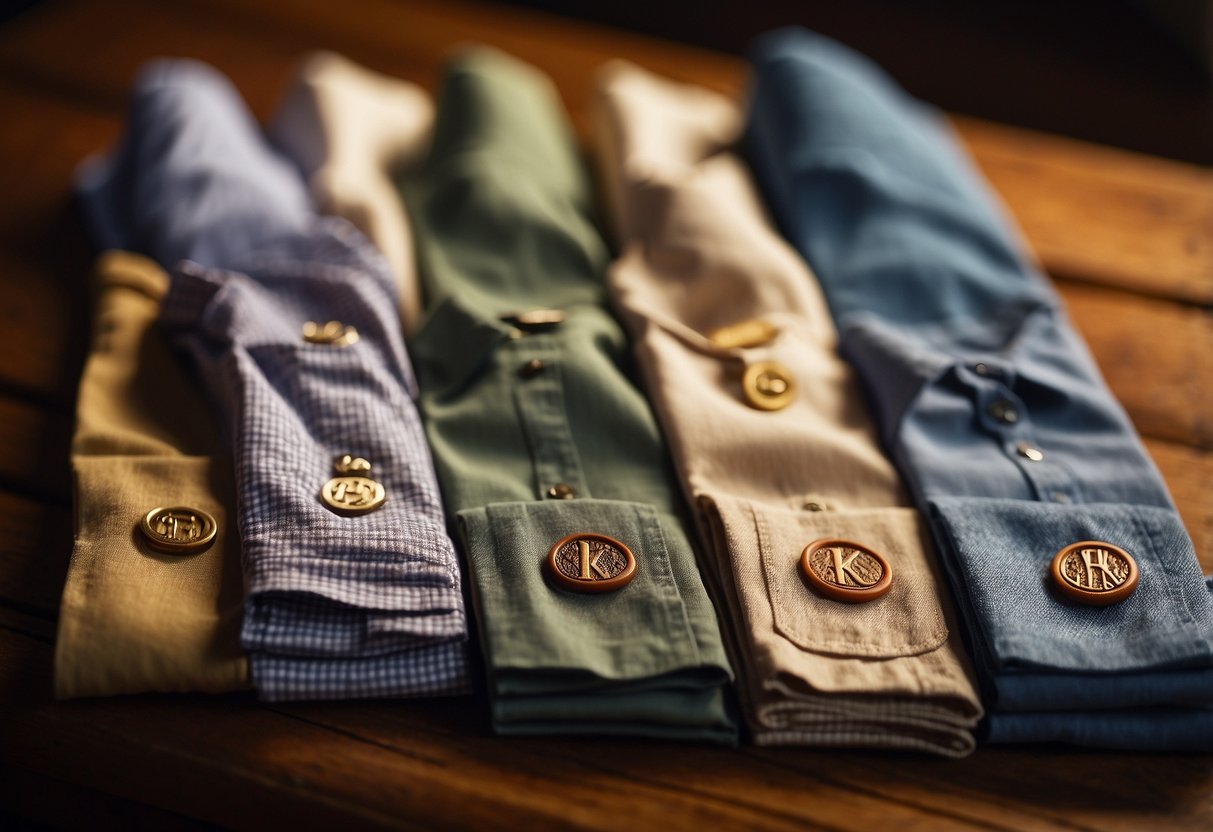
x,y
179,530
768,385
591,563
1093,572
846,571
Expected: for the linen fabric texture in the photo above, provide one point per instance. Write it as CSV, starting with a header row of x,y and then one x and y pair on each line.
x,y
134,619
697,253
502,217
968,357
336,606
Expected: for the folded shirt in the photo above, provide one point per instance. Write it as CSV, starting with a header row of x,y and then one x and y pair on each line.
x,y
352,585
351,131
713,297
135,618
992,409
552,466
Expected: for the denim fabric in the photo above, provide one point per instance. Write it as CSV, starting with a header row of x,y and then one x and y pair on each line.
x,y
335,607
948,325
502,219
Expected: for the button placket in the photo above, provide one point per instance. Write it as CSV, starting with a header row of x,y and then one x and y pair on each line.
x,y
1003,414
539,398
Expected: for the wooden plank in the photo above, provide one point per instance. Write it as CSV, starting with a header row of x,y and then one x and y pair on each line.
x,y
1189,475
44,252
421,764
1156,355
35,546
1113,218
1104,215
45,316
34,444
28,798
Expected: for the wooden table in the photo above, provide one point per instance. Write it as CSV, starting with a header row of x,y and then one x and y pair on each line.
x,y
1128,239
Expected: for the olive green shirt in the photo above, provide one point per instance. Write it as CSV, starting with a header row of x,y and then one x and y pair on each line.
x,y
539,431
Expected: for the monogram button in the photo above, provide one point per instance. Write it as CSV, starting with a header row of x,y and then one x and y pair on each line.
x,y
591,563
745,334
1095,573
846,571
768,385
179,530
332,333
352,492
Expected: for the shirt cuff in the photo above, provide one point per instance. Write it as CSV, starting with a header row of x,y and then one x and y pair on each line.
x,y
1137,730
1000,552
888,672
652,648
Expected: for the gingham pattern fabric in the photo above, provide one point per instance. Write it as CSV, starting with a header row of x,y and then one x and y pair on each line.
x,y
337,607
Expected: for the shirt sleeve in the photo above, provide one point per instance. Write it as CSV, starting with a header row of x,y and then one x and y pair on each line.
x,y
711,292
351,131
540,434
335,606
986,397
131,619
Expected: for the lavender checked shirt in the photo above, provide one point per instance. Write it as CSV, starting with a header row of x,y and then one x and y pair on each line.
x,y
336,606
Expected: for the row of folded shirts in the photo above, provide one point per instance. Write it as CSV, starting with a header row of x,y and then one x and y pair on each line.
x,y
903,510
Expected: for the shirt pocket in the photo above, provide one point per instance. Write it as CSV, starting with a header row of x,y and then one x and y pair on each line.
x,y
906,621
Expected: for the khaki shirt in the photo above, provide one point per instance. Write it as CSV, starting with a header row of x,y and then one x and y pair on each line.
x,y
134,619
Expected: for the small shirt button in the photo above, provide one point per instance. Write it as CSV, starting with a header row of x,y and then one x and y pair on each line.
x,y
1029,452
846,571
333,334
178,530
1003,411
1093,572
531,369
981,369
591,563
535,319
352,491
562,491
768,385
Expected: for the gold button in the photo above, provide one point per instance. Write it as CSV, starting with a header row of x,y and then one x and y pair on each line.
x,y
333,333
1093,572
1003,411
1028,452
744,334
591,563
353,492
178,530
535,318
562,491
531,369
768,385
846,571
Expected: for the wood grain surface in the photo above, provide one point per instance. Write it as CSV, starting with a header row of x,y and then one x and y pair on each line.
x,y
1127,238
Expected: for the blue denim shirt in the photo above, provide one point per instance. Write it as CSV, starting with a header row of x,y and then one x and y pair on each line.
x,y
336,607
972,367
